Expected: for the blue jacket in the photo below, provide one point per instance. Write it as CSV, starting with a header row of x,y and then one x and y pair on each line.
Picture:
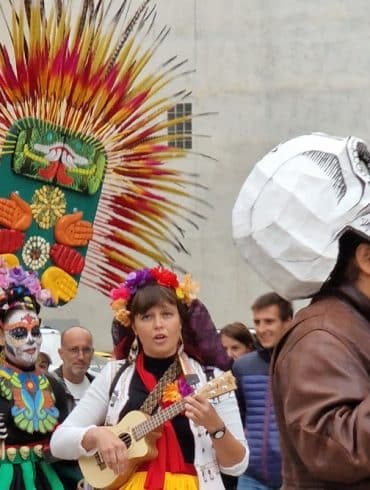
x,y
258,415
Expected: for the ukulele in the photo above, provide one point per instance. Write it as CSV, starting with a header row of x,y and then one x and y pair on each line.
x,y
138,431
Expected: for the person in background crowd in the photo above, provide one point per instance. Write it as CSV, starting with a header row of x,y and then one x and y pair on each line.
x,y
166,335
76,352
31,402
271,316
237,339
43,361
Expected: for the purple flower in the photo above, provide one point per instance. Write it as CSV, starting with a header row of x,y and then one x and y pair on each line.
x,y
32,283
184,388
17,276
137,279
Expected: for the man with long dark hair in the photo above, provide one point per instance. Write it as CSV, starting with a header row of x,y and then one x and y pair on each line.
x,y
314,241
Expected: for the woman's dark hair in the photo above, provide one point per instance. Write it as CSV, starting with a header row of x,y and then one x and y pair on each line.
x,y
346,269
151,295
238,331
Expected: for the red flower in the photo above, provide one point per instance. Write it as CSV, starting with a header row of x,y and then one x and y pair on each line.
x,y
165,277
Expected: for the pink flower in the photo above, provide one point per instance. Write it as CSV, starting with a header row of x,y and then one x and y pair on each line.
x,y
120,293
44,297
4,278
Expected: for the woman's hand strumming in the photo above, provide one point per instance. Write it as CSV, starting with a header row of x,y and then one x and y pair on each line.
x,y
112,450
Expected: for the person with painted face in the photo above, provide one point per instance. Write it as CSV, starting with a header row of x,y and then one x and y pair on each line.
x,y
31,404
170,344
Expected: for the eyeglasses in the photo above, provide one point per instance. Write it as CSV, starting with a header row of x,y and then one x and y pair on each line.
x,y
86,351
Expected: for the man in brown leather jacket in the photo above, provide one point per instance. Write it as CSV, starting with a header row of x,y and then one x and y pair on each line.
x,y
314,241
321,381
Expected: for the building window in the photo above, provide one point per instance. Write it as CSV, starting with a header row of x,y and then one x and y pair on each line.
x,y
183,129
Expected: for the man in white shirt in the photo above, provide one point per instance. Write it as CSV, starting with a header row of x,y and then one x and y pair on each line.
x,y
76,352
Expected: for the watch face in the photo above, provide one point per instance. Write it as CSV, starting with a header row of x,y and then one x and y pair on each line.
x,y
219,434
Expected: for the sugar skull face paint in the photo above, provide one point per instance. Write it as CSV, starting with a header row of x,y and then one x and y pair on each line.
x,y
22,337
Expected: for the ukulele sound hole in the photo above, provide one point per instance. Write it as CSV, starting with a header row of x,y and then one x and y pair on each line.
x,y
126,438
99,461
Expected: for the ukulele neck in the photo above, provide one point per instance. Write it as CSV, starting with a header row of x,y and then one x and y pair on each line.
x,y
155,421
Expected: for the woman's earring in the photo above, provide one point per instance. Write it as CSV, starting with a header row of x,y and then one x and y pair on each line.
x,y
134,350
180,348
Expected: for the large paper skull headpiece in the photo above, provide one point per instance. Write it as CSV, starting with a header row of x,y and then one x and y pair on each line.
x,y
294,206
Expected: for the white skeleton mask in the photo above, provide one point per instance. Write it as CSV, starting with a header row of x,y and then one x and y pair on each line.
x,y
22,337
295,204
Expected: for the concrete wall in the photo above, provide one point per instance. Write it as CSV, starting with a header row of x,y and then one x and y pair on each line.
x,y
272,69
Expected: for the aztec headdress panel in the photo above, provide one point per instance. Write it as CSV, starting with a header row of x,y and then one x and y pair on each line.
x,y
86,183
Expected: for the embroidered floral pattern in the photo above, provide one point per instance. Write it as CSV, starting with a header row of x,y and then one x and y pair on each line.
x,y
48,204
35,252
34,407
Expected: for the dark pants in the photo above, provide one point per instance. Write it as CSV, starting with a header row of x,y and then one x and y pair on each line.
x,y
230,482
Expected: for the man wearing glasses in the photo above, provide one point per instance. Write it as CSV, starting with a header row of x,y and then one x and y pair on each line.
x,y
76,352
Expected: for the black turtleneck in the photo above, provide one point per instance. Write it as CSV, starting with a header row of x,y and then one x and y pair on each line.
x,y
138,393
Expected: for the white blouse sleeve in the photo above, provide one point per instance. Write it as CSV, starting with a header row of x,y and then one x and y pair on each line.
x,y
91,411
228,410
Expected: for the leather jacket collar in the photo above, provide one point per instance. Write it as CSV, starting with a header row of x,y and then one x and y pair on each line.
x,y
350,294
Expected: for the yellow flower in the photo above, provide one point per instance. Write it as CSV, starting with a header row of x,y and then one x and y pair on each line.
x,y
188,289
171,393
121,313
180,294
118,304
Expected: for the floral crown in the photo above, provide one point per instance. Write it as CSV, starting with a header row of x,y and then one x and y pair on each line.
x,y
16,284
186,291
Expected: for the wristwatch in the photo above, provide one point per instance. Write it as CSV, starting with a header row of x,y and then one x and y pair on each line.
x,y
219,433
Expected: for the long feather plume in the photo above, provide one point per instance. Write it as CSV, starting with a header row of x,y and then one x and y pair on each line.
x,y
94,73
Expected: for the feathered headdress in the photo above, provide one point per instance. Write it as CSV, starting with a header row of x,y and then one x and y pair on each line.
x,y
85,150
